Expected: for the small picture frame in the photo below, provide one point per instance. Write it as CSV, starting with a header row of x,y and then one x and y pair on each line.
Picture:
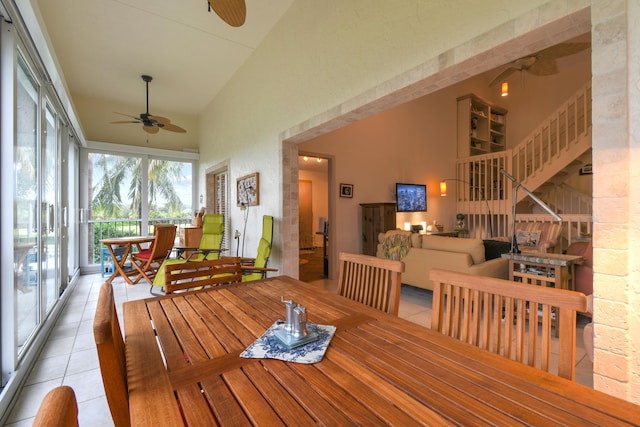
x,y
346,190
248,190
586,169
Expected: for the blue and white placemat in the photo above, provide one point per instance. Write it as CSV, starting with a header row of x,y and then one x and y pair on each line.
x,y
268,346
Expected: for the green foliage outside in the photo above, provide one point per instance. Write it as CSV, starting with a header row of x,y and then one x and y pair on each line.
x,y
117,195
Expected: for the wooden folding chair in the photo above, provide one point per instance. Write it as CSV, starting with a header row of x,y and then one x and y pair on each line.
x,y
370,280
482,311
59,408
199,274
111,355
149,260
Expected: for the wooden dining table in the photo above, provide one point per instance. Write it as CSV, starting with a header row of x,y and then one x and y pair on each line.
x,y
119,249
184,368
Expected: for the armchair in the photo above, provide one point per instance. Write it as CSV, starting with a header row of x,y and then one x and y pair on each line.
x,y
536,236
584,272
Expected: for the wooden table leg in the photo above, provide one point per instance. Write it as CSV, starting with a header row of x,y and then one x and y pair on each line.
x,y
118,265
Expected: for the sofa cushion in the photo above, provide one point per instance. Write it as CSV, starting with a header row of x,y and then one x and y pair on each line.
x,y
473,247
528,239
495,248
544,242
396,244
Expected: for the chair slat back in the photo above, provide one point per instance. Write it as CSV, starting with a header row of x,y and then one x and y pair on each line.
x,y
496,315
196,274
370,280
165,238
111,355
59,408
148,264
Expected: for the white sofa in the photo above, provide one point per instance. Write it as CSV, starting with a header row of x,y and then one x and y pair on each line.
x,y
420,253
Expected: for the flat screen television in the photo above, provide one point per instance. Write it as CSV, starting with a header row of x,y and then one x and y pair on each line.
x,y
411,197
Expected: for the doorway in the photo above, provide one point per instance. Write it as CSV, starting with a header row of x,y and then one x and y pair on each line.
x,y
313,211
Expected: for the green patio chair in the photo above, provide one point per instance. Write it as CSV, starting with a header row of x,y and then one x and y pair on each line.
x,y
209,248
256,268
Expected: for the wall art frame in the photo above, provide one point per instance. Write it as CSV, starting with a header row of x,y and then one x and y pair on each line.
x,y
346,190
586,169
248,190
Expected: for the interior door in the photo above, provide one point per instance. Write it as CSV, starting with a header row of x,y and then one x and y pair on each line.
x,y
305,210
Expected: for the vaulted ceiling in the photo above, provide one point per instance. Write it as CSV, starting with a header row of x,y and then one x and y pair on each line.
x,y
104,46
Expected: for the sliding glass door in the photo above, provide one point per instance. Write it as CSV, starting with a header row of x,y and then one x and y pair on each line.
x,y
40,178
36,207
26,207
50,229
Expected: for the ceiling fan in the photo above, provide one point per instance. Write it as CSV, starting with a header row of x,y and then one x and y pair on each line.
x,y
233,12
542,63
151,124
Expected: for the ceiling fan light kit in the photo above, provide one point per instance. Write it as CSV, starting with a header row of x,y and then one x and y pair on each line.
x,y
150,123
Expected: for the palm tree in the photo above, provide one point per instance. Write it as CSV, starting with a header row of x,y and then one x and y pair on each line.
x,y
108,202
114,174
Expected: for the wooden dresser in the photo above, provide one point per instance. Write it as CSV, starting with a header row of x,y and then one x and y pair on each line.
x,y
376,218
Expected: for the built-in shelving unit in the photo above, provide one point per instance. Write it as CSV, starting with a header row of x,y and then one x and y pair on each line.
x,y
481,126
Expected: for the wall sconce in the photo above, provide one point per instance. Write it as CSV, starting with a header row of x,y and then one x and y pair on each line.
x,y
407,226
443,188
504,89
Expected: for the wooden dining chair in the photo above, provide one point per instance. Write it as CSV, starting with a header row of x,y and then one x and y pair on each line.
x,y
59,408
498,315
149,260
370,280
199,274
111,355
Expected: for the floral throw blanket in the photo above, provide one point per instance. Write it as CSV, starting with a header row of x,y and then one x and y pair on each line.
x,y
396,246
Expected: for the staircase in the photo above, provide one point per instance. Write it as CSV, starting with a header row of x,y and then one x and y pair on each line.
x,y
541,163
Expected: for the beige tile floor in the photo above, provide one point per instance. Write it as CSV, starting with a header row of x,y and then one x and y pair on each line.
x,y
70,356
